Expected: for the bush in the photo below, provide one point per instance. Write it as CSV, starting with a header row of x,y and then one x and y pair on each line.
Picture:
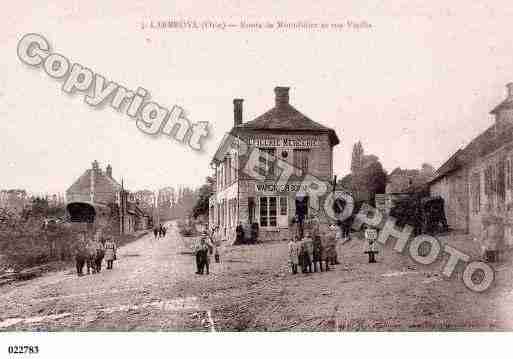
x,y
27,244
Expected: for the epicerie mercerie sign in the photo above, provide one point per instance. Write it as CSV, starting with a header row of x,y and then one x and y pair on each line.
x,y
284,141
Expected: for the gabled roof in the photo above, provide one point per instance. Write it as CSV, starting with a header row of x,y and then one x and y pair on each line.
x,y
507,104
398,171
452,164
281,118
285,118
485,143
494,137
83,183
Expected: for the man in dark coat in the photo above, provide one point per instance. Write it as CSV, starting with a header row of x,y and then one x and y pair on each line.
x,y
317,252
239,234
202,251
81,254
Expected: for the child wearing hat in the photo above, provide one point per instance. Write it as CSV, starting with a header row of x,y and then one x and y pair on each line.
x,y
371,236
294,250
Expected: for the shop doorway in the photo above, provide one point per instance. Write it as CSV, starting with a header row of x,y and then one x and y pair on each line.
x,y
301,207
251,209
301,212
283,214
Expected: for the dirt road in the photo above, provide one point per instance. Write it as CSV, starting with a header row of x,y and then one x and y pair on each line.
x,y
153,287
136,295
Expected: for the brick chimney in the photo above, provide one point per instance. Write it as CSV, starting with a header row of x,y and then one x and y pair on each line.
x,y
96,166
237,111
109,171
510,90
282,96
92,184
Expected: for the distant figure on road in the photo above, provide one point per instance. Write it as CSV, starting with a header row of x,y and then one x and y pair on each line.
x,y
110,252
164,230
156,232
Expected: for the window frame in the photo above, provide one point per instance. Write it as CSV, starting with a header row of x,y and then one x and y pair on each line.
x,y
267,158
266,218
301,160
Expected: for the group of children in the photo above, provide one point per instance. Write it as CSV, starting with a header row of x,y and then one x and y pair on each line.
x,y
307,252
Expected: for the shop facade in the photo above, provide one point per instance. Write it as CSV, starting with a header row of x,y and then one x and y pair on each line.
x,y
250,187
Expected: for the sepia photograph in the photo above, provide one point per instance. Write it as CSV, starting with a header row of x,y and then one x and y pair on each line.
x,y
333,171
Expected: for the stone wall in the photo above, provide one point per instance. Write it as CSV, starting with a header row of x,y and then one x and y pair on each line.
x,y
453,188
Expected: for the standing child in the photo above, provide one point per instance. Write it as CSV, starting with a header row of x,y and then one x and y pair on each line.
x,y
371,236
294,254
301,249
110,252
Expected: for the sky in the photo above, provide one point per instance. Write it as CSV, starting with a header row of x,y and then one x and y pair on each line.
x,y
414,88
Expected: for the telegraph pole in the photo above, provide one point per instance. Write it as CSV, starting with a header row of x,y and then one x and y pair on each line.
x,y
122,206
157,215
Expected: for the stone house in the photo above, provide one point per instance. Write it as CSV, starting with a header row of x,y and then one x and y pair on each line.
x,y
286,134
476,181
98,189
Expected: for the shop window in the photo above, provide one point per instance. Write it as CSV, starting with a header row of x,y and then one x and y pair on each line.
x,y
235,167
475,192
491,186
268,210
283,206
301,161
508,173
501,185
251,209
229,170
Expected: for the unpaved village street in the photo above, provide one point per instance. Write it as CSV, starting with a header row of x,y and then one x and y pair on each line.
x,y
153,287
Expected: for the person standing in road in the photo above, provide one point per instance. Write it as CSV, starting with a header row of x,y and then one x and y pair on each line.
x,y
197,248
294,249
331,250
81,253
317,252
308,252
239,234
156,232
202,250
110,252
205,250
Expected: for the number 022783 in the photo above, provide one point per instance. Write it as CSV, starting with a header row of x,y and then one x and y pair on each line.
x,y
22,349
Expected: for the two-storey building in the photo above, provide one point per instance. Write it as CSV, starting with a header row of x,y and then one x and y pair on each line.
x,y
476,182
245,194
